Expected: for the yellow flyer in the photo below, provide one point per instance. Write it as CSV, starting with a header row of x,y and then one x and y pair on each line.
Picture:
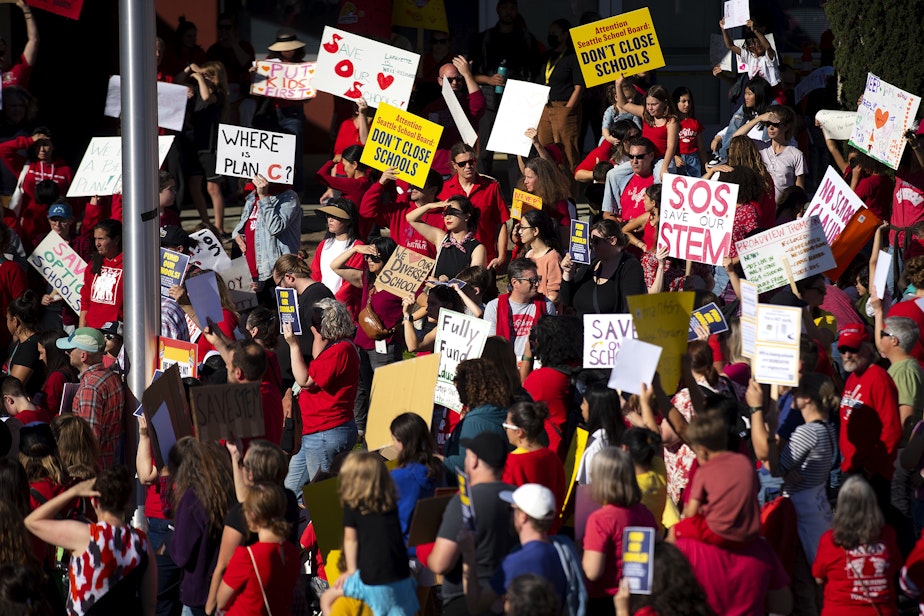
x,y
524,202
664,319
401,139
426,14
624,44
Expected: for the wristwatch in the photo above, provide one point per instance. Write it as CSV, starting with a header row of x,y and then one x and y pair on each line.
x,y
755,409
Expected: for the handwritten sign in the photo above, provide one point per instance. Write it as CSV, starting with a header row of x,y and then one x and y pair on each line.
x,y
401,139
837,125
776,353
171,103
749,295
737,13
61,266
246,152
404,272
172,270
697,218
65,8
663,319
885,113
603,336
520,108
100,170
624,44
290,81
222,410
238,279
458,337
429,15
523,202
708,317
579,247
834,204
287,308
178,353
638,544
800,243
351,67
208,253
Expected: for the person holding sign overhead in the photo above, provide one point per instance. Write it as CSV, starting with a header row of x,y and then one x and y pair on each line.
x,y
388,201
458,72
561,118
457,246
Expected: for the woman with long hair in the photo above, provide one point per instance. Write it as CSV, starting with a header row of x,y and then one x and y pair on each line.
x,y
660,123
457,247
601,408
263,326
342,234
858,559
78,447
352,184
101,295
418,471
743,153
543,179
758,96
376,348
58,371
540,236
691,153
22,360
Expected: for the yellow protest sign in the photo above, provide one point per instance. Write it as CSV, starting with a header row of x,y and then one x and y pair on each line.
x,y
664,319
403,140
624,44
426,14
524,202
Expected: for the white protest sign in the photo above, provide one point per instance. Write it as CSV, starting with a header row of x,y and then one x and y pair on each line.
x,y
776,353
238,279
61,266
837,125
171,103
469,135
208,253
885,113
748,321
800,244
742,66
815,80
881,276
100,170
287,80
351,67
834,204
696,218
636,363
458,337
737,13
246,152
603,337
521,108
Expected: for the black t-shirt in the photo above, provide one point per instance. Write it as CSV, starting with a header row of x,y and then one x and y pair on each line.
x,y
26,354
235,519
382,557
451,260
306,301
494,535
587,297
561,73
519,48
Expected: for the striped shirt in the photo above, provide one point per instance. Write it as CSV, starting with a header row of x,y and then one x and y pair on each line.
x,y
810,451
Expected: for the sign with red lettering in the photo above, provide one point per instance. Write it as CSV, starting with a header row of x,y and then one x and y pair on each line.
x,y
834,203
245,152
696,218
291,81
65,8
799,245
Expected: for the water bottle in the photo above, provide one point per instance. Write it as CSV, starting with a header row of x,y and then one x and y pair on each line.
x,y
502,71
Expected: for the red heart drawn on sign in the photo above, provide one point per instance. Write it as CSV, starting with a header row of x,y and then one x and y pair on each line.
x,y
881,118
355,91
385,80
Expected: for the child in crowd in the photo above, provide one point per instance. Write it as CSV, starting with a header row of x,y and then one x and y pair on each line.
x,y
691,154
644,446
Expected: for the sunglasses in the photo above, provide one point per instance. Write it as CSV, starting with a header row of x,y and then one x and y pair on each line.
x,y
464,163
886,334
849,350
638,156
456,79
451,211
594,239
533,282
373,258
774,124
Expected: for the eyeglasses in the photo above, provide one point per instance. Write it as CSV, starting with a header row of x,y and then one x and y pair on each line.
x,y
522,228
464,163
508,426
638,156
533,282
373,258
886,334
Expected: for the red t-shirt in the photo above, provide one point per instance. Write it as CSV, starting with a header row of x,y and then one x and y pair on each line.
x,y
377,205
657,135
53,389
278,565
876,192
632,200
604,534
101,295
542,466
29,416
18,75
907,201
910,309
855,579
328,403
870,425
487,198
726,488
551,386
690,129
272,411
228,325
599,154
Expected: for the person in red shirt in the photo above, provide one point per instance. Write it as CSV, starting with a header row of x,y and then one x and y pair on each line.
x,y
354,182
388,201
17,404
485,195
631,199
101,295
18,74
457,72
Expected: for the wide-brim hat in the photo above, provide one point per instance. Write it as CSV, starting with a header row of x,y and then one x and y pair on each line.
x,y
286,40
336,212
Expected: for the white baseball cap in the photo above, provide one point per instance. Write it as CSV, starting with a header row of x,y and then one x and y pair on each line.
x,y
533,499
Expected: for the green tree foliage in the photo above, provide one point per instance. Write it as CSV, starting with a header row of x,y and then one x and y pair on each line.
x,y
882,37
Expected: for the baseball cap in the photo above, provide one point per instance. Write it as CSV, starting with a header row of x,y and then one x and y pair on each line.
x,y
84,338
536,501
490,447
851,337
171,235
112,327
60,210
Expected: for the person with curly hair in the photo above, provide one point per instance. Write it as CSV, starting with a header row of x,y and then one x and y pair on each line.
x,y
674,589
743,153
486,396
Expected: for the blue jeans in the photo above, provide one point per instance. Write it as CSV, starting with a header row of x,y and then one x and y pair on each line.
x,y
692,166
736,122
169,575
317,452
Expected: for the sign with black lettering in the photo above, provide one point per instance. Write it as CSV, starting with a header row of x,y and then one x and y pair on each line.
x,y
222,410
624,45
246,152
404,272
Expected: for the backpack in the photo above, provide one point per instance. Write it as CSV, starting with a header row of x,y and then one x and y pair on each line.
x,y
576,595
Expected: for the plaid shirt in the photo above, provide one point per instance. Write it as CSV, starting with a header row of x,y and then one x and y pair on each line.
x,y
100,398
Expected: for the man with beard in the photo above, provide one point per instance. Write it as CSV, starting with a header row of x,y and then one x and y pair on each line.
x,y
463,85
388,201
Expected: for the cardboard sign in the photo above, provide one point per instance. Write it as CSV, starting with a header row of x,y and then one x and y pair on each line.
x,y
458,337
776,354
520,108
834,204
322,500
351,67
663,319
709,317
737,13
638,544
223,410
166,413
401,139
403,387
427,518
428,15
801,244
624,45
287,309
208,253
816,80
636,363
463,125
184,355
61,267
885,113
67,397
579,245
584,505
238,279
100,170
171,103
465,498
65,8
289,81
172,270
246,152
205,299
837,125
603,335
697,218
404,272
524,202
